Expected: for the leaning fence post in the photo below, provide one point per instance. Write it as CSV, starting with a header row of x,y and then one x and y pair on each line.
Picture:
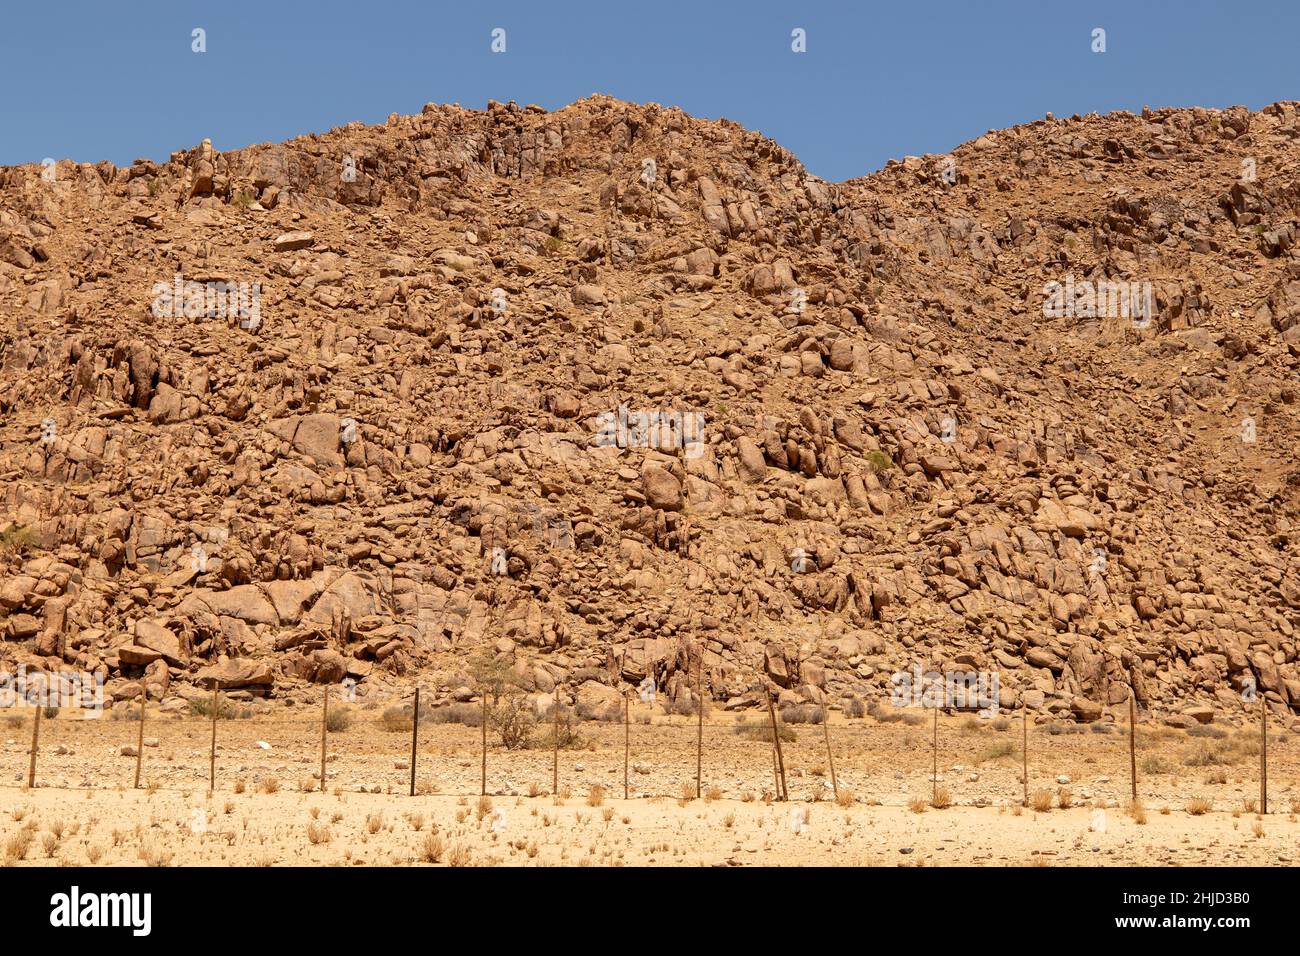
x,y
784,793
324,723
36,737
830,757
139,740
415,736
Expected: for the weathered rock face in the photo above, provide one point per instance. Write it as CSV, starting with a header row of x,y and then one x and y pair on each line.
x,y
356,407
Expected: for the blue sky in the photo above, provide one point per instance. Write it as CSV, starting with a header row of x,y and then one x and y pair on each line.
x,y
100,80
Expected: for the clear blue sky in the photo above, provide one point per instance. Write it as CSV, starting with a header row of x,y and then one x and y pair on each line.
x,y
103,80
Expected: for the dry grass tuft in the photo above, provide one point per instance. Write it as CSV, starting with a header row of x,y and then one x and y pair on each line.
x,y
432,848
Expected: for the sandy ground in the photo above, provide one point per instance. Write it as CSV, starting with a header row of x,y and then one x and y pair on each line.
x,y
267,808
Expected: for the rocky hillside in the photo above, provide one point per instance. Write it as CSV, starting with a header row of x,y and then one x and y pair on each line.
x,y
596,389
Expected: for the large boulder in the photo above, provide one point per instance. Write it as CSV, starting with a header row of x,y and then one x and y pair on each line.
x,y
662,489
240,672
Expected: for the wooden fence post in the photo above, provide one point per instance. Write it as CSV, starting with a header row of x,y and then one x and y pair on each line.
x,y
212,752
699,724
1263,756
1132,743
627,739
1024,748
139,739
784,793
555,744
830,757
324,724
415,736
776,774
934,773
483,772
36,739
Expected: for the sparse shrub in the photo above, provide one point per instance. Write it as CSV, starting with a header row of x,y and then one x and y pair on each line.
x,y
916,805
17,845
269,785
1064,798
468,715
845,797
879,461
318,833
432,848
397,719
459,855
1199,805
1058,727
1205,730
226,709
1041,800
567,725
995,751
685,705
854,707
885,715
17,540
1001,724
338,719
941,799
761,730
513,720
155,855
802,714
596,795
1153,765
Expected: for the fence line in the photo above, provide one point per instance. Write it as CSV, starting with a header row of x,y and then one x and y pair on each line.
x,y
848,731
